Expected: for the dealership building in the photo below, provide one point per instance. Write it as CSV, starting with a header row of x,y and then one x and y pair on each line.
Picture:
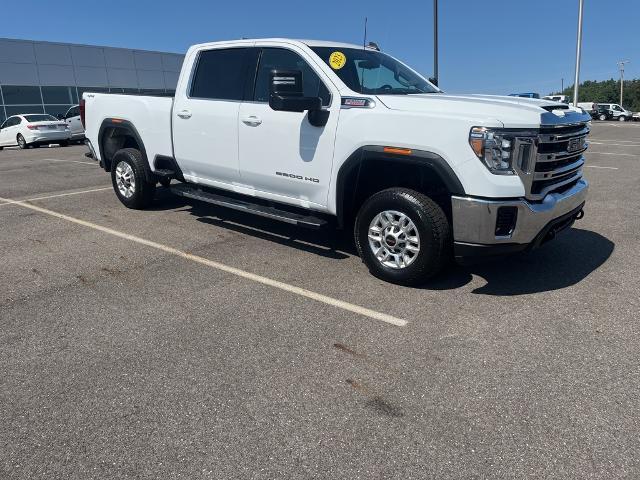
x,y
47,77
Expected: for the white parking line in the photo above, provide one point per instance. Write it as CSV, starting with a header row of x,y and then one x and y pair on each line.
x,y
618,154
383,317
59,195
71,161
615,144
596,166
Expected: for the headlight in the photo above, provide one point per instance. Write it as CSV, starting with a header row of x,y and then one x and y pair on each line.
x,y
494,148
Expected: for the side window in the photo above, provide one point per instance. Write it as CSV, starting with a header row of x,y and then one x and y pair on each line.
x,y
220,74
5,124
280,58
74,112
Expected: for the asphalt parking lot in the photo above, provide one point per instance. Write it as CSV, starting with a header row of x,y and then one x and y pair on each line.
x,y
189,341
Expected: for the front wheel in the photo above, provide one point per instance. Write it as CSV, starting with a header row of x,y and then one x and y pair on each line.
x,y
129,179
402,236
622,118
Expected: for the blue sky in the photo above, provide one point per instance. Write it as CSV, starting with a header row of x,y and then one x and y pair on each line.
x,y
490,46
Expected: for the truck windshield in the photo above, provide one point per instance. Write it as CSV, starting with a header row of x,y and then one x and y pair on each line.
x,y
372,72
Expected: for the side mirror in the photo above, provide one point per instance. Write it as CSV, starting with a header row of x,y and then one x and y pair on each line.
x,y
286,92
286,95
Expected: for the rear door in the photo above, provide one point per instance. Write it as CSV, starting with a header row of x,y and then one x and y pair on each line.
x,y
4,132
205,116
10,131
281,153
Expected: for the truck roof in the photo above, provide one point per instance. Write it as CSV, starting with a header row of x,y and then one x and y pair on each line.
x,y
309,43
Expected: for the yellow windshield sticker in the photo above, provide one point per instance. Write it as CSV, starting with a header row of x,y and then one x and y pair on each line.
x,y
337,60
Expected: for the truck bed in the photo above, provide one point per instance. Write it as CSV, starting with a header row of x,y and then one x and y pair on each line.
x,y
150,115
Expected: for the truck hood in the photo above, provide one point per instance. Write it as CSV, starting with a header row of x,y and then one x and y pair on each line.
x,y
489,110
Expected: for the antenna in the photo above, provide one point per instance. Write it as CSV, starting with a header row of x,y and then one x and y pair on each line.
x,y
364,41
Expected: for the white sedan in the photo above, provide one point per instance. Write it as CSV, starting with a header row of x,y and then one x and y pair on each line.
x,y
33,129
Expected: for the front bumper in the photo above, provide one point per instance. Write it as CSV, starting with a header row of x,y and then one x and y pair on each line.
x,y
475,221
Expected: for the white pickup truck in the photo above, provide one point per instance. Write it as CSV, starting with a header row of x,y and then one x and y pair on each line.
x,y
321,133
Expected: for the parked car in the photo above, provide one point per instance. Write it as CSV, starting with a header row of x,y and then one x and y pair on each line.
x,y
72,119
320,133
525,95
619,113
636,117
601,112
33,130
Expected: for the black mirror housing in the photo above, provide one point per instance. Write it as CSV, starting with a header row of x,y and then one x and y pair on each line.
x,y
286,92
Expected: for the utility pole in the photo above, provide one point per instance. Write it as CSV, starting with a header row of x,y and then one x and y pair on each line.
x,y
562,83
435,41
578,48
621,65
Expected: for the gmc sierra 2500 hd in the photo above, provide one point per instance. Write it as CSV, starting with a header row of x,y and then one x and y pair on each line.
x,y
309,131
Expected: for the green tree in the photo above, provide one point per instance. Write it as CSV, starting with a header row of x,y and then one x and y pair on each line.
x,y
608,91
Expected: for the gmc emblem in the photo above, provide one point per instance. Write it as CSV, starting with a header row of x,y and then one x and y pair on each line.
x,y
575,144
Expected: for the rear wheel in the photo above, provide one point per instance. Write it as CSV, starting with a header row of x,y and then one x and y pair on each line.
x,y
129,179
21,141
602,117
64,143
402,236
622,118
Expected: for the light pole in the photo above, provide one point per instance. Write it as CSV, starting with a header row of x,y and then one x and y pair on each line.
x,y
435,41
621,65
576,82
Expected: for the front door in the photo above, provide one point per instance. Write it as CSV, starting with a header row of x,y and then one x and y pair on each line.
x,y
281,153
205,116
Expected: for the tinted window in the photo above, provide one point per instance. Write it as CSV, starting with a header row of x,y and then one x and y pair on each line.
x,y
280,58
60,95
24,109
56,110
372,72
21,95
220,74
74,112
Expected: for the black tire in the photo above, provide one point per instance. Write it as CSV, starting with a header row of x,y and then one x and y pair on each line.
x,y
165,182
64,143
602,117
622,118
22,143
144,190
430,222
35,145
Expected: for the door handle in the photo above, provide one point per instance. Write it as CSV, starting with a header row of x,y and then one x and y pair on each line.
x,y
252,121
184,114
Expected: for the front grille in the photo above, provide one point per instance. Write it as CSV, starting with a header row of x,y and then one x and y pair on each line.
x,y
559,159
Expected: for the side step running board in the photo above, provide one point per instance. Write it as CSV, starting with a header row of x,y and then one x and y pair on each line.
x,y
190,191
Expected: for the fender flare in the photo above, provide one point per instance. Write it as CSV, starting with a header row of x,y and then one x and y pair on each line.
x,y
130,129
417,157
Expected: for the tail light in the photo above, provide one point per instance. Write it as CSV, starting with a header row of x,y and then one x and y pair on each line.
x,y
82,113
33,127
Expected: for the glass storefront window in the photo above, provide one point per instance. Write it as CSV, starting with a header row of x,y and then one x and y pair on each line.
x,y
56,110
22,109
21,95
57,95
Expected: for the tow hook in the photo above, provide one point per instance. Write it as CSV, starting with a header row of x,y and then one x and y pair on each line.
x,y
579,215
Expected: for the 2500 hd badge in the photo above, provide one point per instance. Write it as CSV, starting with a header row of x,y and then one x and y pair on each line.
x,y
298,177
